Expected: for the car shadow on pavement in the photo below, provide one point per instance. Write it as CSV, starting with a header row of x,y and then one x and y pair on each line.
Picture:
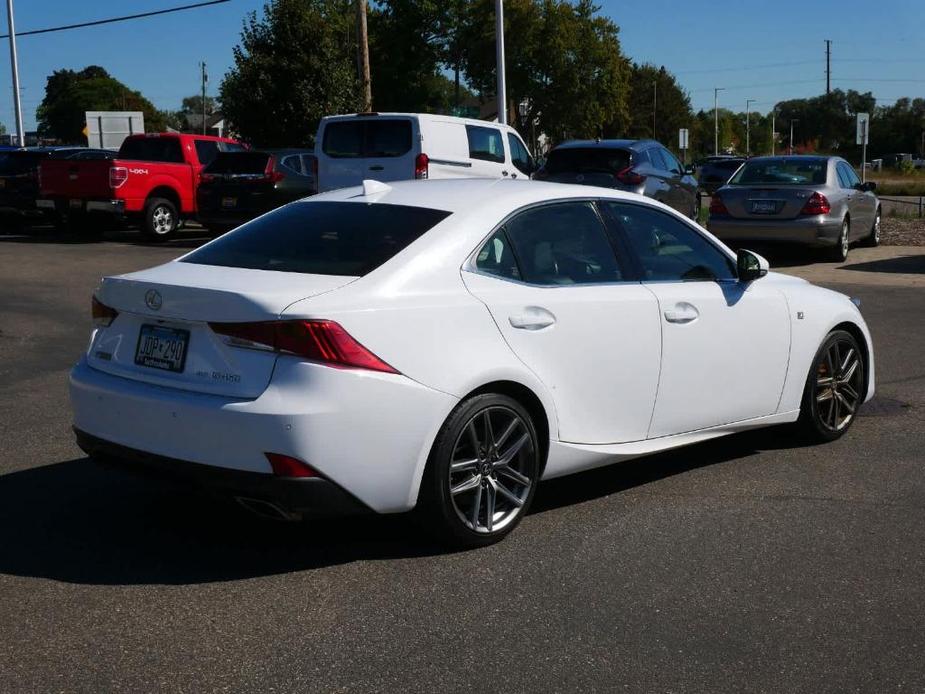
x,y
77,522
906,264
185,238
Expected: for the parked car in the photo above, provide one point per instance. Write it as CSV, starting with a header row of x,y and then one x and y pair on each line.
x,y
636,166
321,358
715,171
238,186
400,146
813,200
152,181
19,177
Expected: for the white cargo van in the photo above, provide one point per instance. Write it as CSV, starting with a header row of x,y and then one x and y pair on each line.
x,y
399,146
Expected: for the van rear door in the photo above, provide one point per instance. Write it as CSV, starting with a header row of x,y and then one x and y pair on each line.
x,y
355,148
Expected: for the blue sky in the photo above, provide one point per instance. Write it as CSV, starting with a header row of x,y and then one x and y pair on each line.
x,y
755,49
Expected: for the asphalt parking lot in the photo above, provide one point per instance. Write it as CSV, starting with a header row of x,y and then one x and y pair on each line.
x,y
751,563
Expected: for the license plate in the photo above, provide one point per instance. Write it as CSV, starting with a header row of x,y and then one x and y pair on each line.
x,y
229,202
75,204
162,348
764,206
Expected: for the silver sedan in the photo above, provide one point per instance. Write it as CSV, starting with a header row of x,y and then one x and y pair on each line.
x,y
814,200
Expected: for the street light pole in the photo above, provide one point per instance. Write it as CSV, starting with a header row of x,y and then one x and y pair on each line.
x,y
716,91
773,128
792,121
654,109
748,125
499,60
14,62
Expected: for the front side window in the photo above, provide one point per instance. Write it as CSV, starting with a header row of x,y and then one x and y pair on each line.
x,y
485,143
667,248
519,154
562,244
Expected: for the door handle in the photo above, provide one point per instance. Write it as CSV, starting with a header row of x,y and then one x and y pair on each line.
x,y
532,318
376,167
682,313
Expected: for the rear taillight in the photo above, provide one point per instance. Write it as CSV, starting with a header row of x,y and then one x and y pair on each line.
x,y
118,175
629,177
103,316
817,204
270,173
287,466
421,165
316,340
717,206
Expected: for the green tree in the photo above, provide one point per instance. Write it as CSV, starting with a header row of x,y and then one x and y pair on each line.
x,y
655,89
294,65
69,94
563,63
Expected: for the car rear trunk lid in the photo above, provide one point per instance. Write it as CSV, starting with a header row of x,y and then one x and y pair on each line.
x,y
161,334
765,202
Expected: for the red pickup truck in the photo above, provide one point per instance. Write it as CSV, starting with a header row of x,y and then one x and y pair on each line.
x,y
152,181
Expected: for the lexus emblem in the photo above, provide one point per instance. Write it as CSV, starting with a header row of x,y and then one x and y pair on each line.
x,y
153,300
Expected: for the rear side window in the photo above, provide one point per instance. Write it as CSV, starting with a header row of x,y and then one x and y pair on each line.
x,y
485,143
497,257
293,162
367,138
206,151
321,238
238,163
587,159
160,149
658,161
563,243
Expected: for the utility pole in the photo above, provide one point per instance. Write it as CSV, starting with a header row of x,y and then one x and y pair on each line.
x,y
716,91
14,62
792,121
773,133
363,57
499,61
748,125
205,78
828,66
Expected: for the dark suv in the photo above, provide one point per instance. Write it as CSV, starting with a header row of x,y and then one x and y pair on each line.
x,y
636,166
715,171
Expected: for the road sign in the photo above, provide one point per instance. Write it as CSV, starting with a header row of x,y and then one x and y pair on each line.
x,y
683,138
863,129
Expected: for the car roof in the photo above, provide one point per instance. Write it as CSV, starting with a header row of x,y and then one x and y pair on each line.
x,y
801,157
468,194
419,116
607,144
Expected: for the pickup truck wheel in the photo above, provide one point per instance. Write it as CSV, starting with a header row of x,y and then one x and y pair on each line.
x,y
161,219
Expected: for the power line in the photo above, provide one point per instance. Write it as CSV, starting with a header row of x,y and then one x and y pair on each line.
x,y
745,68
113,20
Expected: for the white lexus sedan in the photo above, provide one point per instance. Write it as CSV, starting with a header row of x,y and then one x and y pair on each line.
x,y
446,345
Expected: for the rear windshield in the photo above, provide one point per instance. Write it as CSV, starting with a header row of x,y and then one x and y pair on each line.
x,y
782,171
367,138
321,238
730,165
238,163
15,163
584,159
160,149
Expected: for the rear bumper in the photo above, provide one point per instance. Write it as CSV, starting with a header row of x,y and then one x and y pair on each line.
x,y
368,433
77,206
293,497
813,231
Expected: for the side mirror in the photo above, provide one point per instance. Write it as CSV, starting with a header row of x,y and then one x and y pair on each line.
x,y
868,186
750,266
689,170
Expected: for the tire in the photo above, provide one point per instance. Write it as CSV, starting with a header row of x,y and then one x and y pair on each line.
x,y
161,219
839,253
872,240
456,504
829,407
